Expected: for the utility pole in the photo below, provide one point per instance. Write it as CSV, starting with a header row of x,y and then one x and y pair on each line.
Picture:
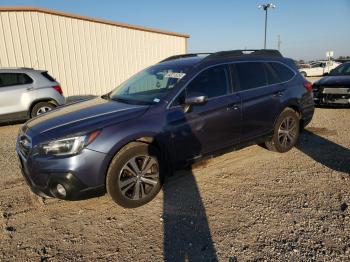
x,y
279,42
265,7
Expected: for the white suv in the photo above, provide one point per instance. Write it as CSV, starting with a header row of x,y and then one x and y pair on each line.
x,y
318,68
26,93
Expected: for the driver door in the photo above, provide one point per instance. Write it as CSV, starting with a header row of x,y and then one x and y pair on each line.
x,y
207,127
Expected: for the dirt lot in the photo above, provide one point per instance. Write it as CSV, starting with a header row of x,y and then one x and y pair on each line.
x,y
245,205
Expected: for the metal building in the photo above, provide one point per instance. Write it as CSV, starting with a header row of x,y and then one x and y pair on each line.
x,y
88,56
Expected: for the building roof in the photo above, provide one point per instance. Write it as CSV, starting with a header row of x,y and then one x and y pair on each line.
x,y
87,18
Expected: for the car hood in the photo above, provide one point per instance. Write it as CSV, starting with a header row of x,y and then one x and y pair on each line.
x,y
84,116
334,81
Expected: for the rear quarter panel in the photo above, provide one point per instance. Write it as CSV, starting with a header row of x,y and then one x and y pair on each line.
x,y
41,94
296,96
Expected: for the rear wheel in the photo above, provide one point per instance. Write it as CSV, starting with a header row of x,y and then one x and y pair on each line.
x,y
286,132
303,74
135,175
41,108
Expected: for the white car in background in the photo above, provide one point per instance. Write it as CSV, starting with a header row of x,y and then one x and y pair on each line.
x,y
318,68
26,93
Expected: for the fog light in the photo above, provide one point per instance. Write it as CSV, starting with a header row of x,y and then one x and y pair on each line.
x,y
61,190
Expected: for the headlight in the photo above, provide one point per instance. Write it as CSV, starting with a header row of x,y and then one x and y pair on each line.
x,y
67,146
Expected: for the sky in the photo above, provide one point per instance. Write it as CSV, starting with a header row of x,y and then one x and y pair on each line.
x,y
308,28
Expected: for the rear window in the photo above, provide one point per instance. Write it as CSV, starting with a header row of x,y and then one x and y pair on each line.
x,y
283,73
48,77
13,79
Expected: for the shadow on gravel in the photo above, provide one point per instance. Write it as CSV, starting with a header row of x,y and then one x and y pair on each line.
x,y
186,231
324,151
187,234
11,123
333,106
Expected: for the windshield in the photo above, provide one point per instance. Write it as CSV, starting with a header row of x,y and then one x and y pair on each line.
x,y
150,85
343,69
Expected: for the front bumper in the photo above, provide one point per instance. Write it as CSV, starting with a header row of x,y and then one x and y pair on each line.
x,y
82,176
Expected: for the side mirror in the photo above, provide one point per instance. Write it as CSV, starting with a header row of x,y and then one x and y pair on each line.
x,y
325,73
195,99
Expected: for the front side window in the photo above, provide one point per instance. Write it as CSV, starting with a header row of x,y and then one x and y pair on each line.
x,y
212,82
150,85
13,79
251,75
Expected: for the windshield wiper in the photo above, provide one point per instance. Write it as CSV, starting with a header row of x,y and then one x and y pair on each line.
x,y
129,101
117,99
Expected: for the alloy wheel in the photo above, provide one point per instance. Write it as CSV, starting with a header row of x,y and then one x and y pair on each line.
x,y
287,132
139,177
43,110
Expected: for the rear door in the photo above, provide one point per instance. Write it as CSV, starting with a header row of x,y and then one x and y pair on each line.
x,y
261,97
12,87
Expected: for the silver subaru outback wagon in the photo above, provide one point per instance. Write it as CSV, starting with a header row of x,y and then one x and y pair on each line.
x,y
26,93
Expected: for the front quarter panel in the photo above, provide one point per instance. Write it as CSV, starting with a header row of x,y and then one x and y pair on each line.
x,y
113,138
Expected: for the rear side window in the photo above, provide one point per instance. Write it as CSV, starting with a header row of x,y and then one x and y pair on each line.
x,y
48,77
251,75
13,79
284,73
212,82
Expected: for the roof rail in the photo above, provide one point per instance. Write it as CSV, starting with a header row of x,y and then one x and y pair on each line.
x,y
245,52
183,56
229,54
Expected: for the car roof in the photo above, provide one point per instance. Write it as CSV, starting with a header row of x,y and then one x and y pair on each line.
x,y
19,70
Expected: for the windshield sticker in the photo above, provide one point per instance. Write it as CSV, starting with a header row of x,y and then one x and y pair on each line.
x,y
175,75
156,100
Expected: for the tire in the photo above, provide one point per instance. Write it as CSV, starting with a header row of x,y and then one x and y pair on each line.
x,y
286,132
131,186
41,108
303,74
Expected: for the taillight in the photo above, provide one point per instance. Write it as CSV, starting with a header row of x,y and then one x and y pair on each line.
x,y
308,86
58,89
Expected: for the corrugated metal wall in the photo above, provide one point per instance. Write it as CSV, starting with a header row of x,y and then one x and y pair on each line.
x,y
87,58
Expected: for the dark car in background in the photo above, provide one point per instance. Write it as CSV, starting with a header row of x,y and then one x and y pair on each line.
x,y
182,109
334,89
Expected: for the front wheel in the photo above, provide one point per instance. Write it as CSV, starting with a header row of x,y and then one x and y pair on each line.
x,y
303,74
135,175
286,132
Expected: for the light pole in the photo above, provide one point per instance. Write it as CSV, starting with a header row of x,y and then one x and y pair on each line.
x,y
265,7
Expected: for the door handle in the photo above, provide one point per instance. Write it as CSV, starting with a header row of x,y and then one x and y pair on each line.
x,y
30,88
278,94
232,107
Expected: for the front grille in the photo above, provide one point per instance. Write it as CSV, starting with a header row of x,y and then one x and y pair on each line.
x,y
341,90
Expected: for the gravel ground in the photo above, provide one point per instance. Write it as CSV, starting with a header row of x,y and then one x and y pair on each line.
x,y
247,205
